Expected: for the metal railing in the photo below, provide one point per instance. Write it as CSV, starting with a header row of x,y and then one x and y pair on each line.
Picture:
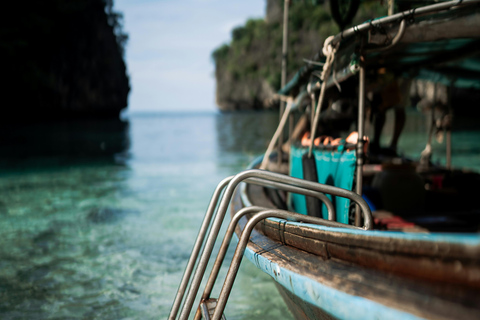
x,y
222,196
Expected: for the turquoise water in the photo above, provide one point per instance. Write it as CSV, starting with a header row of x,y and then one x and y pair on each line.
x,y
99,218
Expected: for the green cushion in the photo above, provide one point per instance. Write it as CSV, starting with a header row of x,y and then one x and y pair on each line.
x,y
335,168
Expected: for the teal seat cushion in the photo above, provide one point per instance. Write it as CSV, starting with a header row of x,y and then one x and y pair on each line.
x,y
334,168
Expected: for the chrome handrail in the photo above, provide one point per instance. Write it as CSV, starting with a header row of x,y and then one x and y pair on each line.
x,y
279,179
293,189
197,247
231,229
208,217
243,241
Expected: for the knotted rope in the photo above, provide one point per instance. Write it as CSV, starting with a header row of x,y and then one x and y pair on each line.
x,y
329,51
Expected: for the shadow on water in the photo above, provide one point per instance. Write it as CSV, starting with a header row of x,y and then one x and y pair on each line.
x,y
98,218
108,214
248,132
60,188
47,145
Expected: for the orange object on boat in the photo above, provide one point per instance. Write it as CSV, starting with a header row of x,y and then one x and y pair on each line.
x,y
327,140
306,140
353,138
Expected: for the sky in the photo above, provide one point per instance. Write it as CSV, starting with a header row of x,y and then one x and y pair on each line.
x,y
168,53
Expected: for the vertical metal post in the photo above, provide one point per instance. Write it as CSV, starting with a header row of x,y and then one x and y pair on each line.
x,y
312,112
391,7
361,133
284,71
432,118
449,128
285,43
449,149
291,127
197,247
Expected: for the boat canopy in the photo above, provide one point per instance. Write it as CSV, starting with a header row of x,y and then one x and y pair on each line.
x,y
440,44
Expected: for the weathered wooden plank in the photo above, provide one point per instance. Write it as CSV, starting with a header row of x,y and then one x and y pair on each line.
x,y
447,271
344,268
389,244
423,298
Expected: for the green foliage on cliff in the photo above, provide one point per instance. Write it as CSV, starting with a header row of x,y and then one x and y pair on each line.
x,y
255,49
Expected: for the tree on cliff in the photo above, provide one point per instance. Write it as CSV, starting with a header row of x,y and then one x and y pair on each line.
x,y
62,59
247,70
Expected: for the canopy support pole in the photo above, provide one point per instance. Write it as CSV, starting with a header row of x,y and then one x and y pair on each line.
x,y
449,127
284,74
391,7
361,134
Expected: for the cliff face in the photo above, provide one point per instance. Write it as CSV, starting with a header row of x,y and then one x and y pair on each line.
x,y
63,59
248,93
248,70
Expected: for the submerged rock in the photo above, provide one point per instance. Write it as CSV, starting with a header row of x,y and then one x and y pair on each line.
x,y
108,215
46,239
3,209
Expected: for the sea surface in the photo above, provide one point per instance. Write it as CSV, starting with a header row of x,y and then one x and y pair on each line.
x,y
98,218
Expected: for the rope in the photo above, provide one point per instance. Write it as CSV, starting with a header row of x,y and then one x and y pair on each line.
x,y
279,131
315,63
329,51
282,97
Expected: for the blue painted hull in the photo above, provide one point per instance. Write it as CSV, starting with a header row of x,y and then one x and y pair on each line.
x,y
339,273
335,273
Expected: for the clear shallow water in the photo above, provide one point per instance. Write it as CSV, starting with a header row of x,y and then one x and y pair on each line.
x,y
98,219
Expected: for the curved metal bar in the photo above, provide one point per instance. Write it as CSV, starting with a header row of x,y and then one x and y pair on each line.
x,y
231,229
395,17
206,222
242,244
321,196
223,251
208,216
398,36
223,206
196,247
395,40
276,177
281,186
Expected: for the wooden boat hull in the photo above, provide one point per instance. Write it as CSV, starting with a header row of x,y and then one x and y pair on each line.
x,y
329,273
325,272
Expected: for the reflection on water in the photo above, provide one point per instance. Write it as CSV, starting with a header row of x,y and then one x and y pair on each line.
x,y
61,144
245,132
241,137
98,219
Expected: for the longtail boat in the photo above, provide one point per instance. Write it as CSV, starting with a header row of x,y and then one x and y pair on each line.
x,y
343,232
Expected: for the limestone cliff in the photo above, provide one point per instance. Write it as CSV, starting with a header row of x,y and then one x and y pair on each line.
x,y
248,70
62,59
